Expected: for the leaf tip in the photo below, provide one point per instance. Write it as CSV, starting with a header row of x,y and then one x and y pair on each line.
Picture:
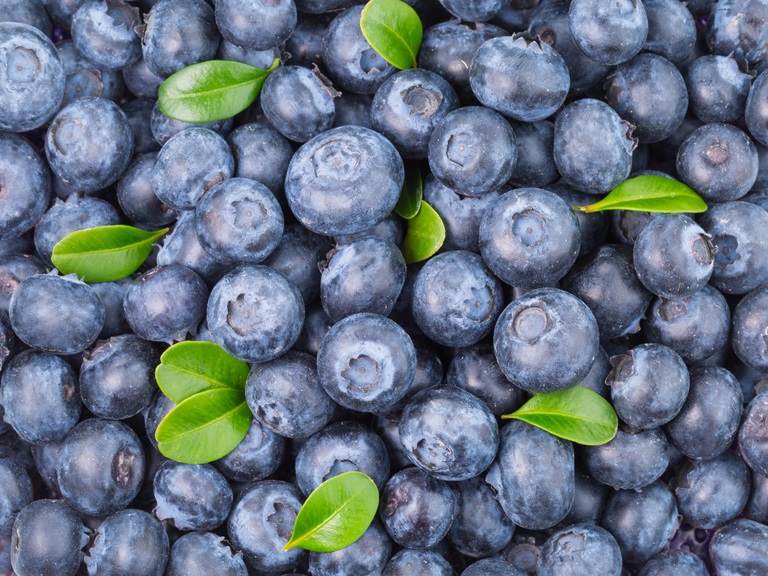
x,y
290,545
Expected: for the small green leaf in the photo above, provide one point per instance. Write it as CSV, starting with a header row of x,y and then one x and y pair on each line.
x,y
204,427
211,91
188,368
650,194
104,253
425,235
410,198
577,414
394,30
336,513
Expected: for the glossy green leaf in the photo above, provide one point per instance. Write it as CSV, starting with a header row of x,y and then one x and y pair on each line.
x,y
650,194
104,253
425,235
577,414
188,368
336,513
410,198
204,427
211,91
394,30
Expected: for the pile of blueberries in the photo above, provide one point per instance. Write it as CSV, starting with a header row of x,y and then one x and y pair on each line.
x,y
284,249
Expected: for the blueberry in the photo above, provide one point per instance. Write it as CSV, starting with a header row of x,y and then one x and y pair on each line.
x,y
14,269
756,112
609,34
286,396
598,372
757,507
717,88
580,549
256,457
179,33
203,554
737,27
738,549
344,180
111,295
136,197
533,476
349,59
322,6
7,348
101,467
594,226
15,493
473,151
642,522
166,303
154,414
626,225
182,246
48,540
674,562
259,25
31,12
129,542
671,30
535,163
140,80
261,523
492,567
368,555
546,340
588,501
305,44
261,153
460,214
298,257
753,437
247,55
56,313
105,33
31,78
164,128
139,114
26,185
592,145
417,562
480,528
353,110
739,231
630,461
255,313
46,458
391,229
84,79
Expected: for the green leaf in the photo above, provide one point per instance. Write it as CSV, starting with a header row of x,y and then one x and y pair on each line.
x,y
394,30
211,91
336,513
410,198
577,414
650,194
104,253
204,427
425,235
188,368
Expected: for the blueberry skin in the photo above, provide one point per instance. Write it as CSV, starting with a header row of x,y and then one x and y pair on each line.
x,y
309,111
26,185
674,562
260,25
417,510
182,246
588,502
261,153
204,553
286,396
191,497
529,237
608,34
739,232
353,110
84,79
305,44
349,59
533,476
473,151
154,413
257,456
46,459
630,461
129,542
16,493
473,10
753,438
139,114
592,146
626,225
166,303
535,162
111,295
76,213
7,347
298,257
48,540
694,326
106,33
456,299
593,227
31,78
449,433
735,27
750,322
136,197
709,420
492,567
546,324
421,562
368,555
344,181
14,269
246,55
117,377
164,127
261,523
255,313
756,112
31,12
407,107
57,314
39,396
717,89
606,282
635,92
191,23
757,507
382,266
578,550
642,522
101,467
338,448
738,549
671,30
140,80
322,6
480,527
